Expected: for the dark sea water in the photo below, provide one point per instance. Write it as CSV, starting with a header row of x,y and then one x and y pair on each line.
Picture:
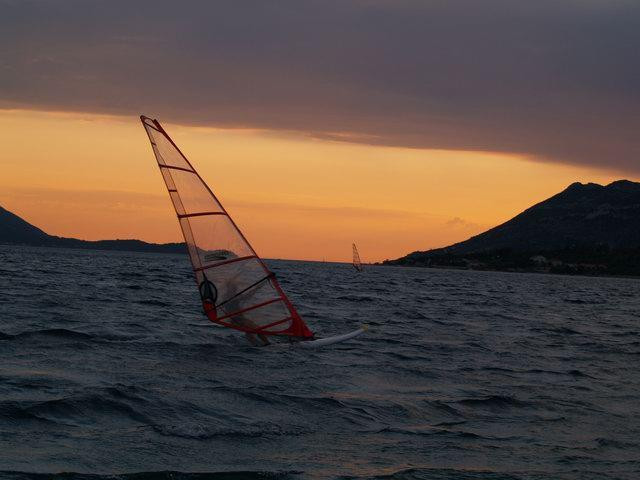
x,y
109,370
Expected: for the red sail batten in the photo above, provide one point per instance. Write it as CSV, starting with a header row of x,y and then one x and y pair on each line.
x,y
171,167
224,262
198,214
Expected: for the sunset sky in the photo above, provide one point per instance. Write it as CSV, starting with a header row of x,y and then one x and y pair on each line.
x,y
400,125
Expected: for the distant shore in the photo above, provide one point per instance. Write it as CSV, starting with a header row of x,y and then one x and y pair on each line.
x,y
494,270
105,245
592,262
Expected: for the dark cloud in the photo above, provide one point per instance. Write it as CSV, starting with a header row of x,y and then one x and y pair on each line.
x,y
556,80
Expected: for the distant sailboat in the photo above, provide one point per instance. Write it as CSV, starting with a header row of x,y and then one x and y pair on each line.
x,y
357,264
236,287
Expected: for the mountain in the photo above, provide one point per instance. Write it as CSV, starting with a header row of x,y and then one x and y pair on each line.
x,y
585,228
15,230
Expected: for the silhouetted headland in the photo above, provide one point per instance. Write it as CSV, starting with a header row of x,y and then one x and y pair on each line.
x,y
585,229
15,230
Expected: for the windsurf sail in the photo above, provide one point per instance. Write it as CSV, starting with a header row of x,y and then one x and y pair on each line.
x,y
236,287
357,264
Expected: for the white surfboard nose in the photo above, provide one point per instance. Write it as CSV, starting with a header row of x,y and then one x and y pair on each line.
x,y
321,342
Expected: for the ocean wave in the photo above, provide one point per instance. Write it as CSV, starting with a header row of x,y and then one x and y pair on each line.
x,y
63,335
201,431
161,475
13,411
494,402
154,303
356,298
86,409
417,473
613,443
556,330
431,430
53,334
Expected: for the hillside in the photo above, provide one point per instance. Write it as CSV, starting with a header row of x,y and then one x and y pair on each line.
x,y
14,230
585,228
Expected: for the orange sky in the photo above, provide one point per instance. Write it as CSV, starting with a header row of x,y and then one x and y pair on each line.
x,y
95,177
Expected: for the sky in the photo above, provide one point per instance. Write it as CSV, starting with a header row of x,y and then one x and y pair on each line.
x,y
400,125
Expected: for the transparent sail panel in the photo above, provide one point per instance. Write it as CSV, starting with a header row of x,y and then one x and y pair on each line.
x,y
243,286
237,289
215,239
233,278
193,193
273,318
167,154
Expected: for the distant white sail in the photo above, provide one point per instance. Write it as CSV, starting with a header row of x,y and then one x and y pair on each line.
x,y
357,264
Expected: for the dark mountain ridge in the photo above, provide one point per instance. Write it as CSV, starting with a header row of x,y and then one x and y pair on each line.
x,y
586,227
15,230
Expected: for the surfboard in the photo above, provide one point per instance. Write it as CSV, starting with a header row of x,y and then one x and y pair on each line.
x,y
323,342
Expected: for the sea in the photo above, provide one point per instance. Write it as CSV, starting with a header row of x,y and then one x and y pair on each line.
x,y
109,370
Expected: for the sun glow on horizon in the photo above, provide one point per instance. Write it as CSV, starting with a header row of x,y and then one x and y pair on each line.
x,y
94,177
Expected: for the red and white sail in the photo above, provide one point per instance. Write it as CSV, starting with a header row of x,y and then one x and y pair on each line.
x,y
236,287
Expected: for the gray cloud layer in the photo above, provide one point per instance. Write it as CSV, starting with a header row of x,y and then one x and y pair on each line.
x,y
557,80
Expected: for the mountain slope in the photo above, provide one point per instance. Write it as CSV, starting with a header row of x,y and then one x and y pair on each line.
x,y
15,230
587,214
594,222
